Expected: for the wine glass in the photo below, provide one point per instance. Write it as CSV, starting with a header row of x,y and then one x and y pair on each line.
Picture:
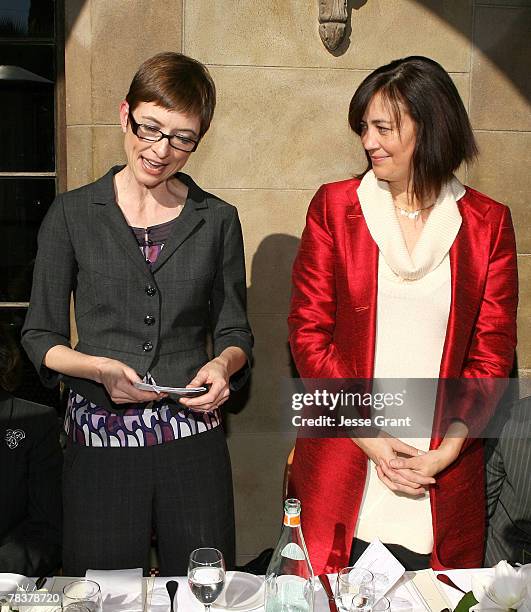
x,y
84,592
206,575
354,589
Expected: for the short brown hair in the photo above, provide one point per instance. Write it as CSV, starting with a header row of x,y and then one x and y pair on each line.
x,y
176,82
444,137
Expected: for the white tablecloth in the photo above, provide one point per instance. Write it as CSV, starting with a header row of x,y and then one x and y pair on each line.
x,y
155,598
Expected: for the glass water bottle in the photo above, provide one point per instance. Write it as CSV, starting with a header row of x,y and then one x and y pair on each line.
x,y
289,583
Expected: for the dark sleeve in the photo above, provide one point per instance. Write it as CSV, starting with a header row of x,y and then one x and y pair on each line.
x,y
48,319
33,547
228,300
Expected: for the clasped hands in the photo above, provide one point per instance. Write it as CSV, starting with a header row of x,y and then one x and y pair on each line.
x,y
404,468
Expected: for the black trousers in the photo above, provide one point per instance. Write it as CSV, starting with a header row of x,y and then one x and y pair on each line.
x,y
114,497
411,560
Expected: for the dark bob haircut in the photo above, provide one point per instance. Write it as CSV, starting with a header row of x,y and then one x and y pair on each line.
x,y
444,139
175,82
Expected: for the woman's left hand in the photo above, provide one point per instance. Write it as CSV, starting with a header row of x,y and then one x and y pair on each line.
x,y
427,464
216,374
432,462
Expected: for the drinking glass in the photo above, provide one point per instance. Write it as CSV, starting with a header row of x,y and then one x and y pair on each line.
x,y
74,607
381,585
354,590
206,575
84,592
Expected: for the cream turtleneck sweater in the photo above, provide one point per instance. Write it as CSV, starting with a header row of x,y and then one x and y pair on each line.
x,y
414,292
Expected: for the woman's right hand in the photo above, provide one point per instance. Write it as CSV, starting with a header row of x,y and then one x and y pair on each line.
x,y
381,449
118,379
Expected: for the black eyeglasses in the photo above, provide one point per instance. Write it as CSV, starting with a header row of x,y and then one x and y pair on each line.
x,y
152,134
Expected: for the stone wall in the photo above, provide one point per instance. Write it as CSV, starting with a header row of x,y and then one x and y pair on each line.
x,y
280,130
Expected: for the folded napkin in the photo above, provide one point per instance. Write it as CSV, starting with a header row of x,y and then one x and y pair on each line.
x,y
418,592
159,600
121,590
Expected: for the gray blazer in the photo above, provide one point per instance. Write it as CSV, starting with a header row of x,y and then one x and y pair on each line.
x,y
157,320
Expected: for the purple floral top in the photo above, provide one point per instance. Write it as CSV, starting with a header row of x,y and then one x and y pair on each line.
x,y
149,424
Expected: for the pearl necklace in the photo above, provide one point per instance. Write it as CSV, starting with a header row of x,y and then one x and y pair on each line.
x,y
412,214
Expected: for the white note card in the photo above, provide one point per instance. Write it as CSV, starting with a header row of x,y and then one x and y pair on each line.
x,y
387,570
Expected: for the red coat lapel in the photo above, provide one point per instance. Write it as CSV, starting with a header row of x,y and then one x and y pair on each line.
x,y
468,262
362,271
469,256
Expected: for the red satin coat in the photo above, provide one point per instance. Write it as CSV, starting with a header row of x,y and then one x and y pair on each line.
x,y
332,335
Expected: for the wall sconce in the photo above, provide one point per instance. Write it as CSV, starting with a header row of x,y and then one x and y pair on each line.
x,y
332,22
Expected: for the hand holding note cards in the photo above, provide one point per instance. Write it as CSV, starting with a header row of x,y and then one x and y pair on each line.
x,y
173,391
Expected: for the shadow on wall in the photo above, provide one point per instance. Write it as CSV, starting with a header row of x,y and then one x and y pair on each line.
x,y
498,45
495,48
269,294
270,288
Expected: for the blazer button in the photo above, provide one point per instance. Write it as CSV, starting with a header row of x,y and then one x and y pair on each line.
x,y
149,320
147,346
150,290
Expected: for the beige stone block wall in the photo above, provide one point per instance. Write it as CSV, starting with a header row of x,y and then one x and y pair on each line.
x,y
79,142
284,33
264,138
281,130
506,154
78,61
502,56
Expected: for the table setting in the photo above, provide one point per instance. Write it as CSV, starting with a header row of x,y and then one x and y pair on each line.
x,y
128,591
377,583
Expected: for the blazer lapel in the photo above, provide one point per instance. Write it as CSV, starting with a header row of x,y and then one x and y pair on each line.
x,y
108,213
112,217
187,223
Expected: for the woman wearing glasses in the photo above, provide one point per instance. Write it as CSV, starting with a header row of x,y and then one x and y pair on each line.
x,y
157,271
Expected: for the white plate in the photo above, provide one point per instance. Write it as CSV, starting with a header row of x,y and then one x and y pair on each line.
x,y
242,593
10,583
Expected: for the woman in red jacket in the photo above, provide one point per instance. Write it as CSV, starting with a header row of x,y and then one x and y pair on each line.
x,y
403,273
